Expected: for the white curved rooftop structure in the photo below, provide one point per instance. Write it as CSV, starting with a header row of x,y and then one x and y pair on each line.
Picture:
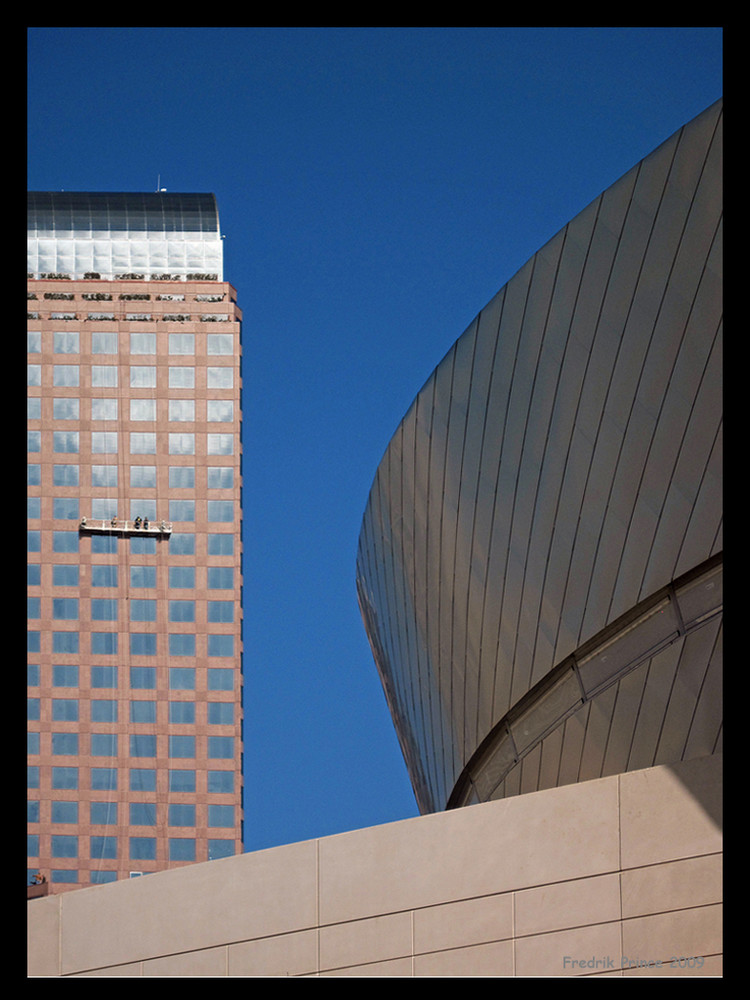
x,y
115,235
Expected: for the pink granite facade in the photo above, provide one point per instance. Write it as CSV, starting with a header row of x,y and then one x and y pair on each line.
x,y
135,642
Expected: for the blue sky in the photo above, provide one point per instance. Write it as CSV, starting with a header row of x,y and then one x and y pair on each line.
x,y
376,187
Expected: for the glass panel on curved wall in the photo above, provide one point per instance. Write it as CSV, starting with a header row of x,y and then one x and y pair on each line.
x,y
493,769
652,630
547,711
701,598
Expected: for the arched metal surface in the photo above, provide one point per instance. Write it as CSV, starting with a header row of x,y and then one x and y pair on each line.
x,y
636,638
561,464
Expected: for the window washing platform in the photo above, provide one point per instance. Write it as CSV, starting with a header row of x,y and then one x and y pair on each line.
x,y
140,526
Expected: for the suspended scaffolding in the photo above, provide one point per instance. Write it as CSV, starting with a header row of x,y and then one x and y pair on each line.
x,y
140,526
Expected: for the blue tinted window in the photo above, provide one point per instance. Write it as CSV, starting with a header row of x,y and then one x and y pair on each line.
x,y
220,679
103,847
182,712
182,510
143,848
104,710
220,815
64,744
182,781
63,875
181,476
65,675
220,477
65,608
103,813
104,779
143,711
143,546
104,643
143,610
221,645
143,644
64,812
220,611
104,576
64,642
182,678
221,545
143,779
103,744
65,475
181,849
220,747
182,746
104,544
64,541
143,576
143,678
220,510
181,814
64,777
182,577
101,878
220,577
65,508
182,544
64,846
221,712
64,576
142,745
220,849
182,611
104,609
181,644
65,709
103,677
221,782
143,814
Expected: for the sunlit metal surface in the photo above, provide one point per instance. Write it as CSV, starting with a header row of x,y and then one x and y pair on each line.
x,y
627,644
561,466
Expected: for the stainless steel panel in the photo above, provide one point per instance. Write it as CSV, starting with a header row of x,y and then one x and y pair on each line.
x,y
561,464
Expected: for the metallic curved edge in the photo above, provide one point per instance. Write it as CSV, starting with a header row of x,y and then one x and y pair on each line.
x,y
655,623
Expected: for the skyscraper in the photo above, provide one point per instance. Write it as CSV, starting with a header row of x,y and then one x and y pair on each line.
x,y
134,537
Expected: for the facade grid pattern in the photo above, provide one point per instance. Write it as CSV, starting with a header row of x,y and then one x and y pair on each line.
x,y
134,575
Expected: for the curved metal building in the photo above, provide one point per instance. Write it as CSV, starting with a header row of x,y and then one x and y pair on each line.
x,y
539,567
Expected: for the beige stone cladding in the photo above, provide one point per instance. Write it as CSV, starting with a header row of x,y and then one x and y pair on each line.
x,y
620,876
